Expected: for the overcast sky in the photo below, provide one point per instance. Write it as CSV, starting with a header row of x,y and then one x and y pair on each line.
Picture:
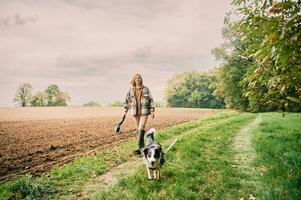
x,y
92,48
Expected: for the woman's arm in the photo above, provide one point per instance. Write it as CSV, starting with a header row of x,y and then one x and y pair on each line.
x,y
126,103
152,105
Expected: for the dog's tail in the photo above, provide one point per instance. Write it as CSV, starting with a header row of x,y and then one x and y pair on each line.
x,y
150,133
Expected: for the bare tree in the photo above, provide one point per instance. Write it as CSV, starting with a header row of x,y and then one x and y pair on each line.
x,y
23,95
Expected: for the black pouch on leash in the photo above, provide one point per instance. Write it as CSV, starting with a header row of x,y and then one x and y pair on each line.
x,y
117,126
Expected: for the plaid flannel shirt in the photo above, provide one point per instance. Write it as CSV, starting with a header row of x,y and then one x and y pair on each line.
x,y
146,104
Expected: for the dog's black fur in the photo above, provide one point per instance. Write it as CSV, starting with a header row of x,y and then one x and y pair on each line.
x,y
153,156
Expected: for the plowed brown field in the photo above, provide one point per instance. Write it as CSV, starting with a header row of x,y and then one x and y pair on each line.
x,y
33,140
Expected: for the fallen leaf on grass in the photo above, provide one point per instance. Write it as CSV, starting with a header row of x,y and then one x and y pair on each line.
x,y
251,197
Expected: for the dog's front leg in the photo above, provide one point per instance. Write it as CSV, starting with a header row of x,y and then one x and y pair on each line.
x,y
157,174
149,173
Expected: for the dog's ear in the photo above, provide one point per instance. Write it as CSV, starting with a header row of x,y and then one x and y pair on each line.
x,y
145,151
162,159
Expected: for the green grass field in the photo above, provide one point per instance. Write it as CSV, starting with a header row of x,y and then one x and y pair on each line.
x,y
202,165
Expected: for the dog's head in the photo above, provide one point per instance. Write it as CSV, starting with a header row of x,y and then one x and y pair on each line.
x,y
154,155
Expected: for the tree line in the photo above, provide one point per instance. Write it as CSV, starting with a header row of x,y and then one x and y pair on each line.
x,y
261,61
51,96
261,56
193,89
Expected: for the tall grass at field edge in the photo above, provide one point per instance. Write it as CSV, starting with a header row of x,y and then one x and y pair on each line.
x,y
278,165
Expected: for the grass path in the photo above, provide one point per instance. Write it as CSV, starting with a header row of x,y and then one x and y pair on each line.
x,y
110,178
197,167
244,150
126,169
245,154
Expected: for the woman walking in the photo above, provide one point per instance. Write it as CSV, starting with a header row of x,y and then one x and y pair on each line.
x,y
140,104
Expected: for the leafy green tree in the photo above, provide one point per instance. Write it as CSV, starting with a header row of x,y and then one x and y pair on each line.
x,y
276,77
160,104
232,71
193,89
38,99
23,94
51,92
56,97
92,104
117,103
265,37
61,99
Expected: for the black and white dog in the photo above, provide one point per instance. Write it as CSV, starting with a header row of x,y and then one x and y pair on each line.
x,y
153,156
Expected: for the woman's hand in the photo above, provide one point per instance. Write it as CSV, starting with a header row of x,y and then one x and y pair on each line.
x,y
153,115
